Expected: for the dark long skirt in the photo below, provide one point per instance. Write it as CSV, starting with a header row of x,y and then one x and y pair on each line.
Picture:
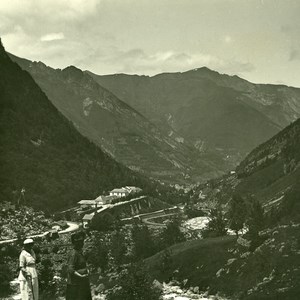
x,y
79,292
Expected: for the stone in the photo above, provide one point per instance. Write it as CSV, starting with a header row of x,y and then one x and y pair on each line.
x,y
157,285
100,288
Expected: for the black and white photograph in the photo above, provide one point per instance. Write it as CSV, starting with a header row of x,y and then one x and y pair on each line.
x,y
149,149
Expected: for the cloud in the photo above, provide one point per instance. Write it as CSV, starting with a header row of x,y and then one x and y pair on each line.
x,y
172,61
47,7
227,39
294,55
137,61
52,37
36,29
41,17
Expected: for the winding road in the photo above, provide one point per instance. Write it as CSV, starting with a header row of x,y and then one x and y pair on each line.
x,y
73,226
151,223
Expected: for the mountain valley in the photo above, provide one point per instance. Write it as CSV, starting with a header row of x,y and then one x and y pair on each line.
x,y
225,113
122,131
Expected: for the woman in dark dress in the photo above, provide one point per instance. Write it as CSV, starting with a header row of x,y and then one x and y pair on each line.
x,y
78,285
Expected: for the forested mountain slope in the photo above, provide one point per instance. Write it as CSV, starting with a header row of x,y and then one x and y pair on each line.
x,y
41,151
270,172
121,130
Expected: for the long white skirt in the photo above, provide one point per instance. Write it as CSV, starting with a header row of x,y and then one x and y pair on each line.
x,y
29,289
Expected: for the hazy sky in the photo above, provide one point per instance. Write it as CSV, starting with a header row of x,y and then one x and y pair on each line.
x,y
256,39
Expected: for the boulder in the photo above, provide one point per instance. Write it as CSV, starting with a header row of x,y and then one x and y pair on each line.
x,y
157,285
100,288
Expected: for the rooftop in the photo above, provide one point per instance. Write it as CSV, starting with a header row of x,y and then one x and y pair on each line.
x,y
87,202
88,217
120,190
105,198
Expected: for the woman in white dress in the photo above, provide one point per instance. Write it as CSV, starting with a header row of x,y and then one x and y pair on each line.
x,y
28,278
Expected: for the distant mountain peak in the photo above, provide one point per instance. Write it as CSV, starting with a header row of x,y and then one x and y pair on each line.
x,y
72,69
73,72
204,68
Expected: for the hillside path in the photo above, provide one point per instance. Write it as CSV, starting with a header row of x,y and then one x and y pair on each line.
x,y
73,226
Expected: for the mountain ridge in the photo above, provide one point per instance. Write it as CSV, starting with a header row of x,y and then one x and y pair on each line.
x,y
120,130
41,152
180,101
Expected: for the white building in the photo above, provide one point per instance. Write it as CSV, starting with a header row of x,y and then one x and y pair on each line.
x,y
133,189
106,199
125,191
89,203
121,192
87,219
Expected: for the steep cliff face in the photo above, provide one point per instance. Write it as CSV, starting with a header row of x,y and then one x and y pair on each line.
x,y
122,131
284,148
270,172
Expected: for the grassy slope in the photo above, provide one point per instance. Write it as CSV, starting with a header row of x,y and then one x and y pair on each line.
x,y
270,272
198,261
267,173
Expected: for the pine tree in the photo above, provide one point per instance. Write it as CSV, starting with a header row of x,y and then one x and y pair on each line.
x,y
237,213
172,234
97,250
166,261
255,220
143,244
118,248
256,223
103,222
217,223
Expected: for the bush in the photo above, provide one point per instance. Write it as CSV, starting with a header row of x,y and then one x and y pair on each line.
x,y
97,252
103,222
193,212
5,277
172,234
216,225
133,283
143,243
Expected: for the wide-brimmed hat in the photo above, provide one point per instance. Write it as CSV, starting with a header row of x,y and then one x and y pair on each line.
x,y
28,241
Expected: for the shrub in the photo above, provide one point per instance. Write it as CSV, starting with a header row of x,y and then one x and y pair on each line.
x,y
133,283
103,222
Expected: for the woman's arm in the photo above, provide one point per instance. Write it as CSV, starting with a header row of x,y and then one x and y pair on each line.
x,y
22,260
80,275
72,266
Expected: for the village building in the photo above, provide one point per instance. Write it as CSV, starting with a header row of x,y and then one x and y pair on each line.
x,y
88,204
106,199
103,202
121,192
133,189
125,191
86,220
97,203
